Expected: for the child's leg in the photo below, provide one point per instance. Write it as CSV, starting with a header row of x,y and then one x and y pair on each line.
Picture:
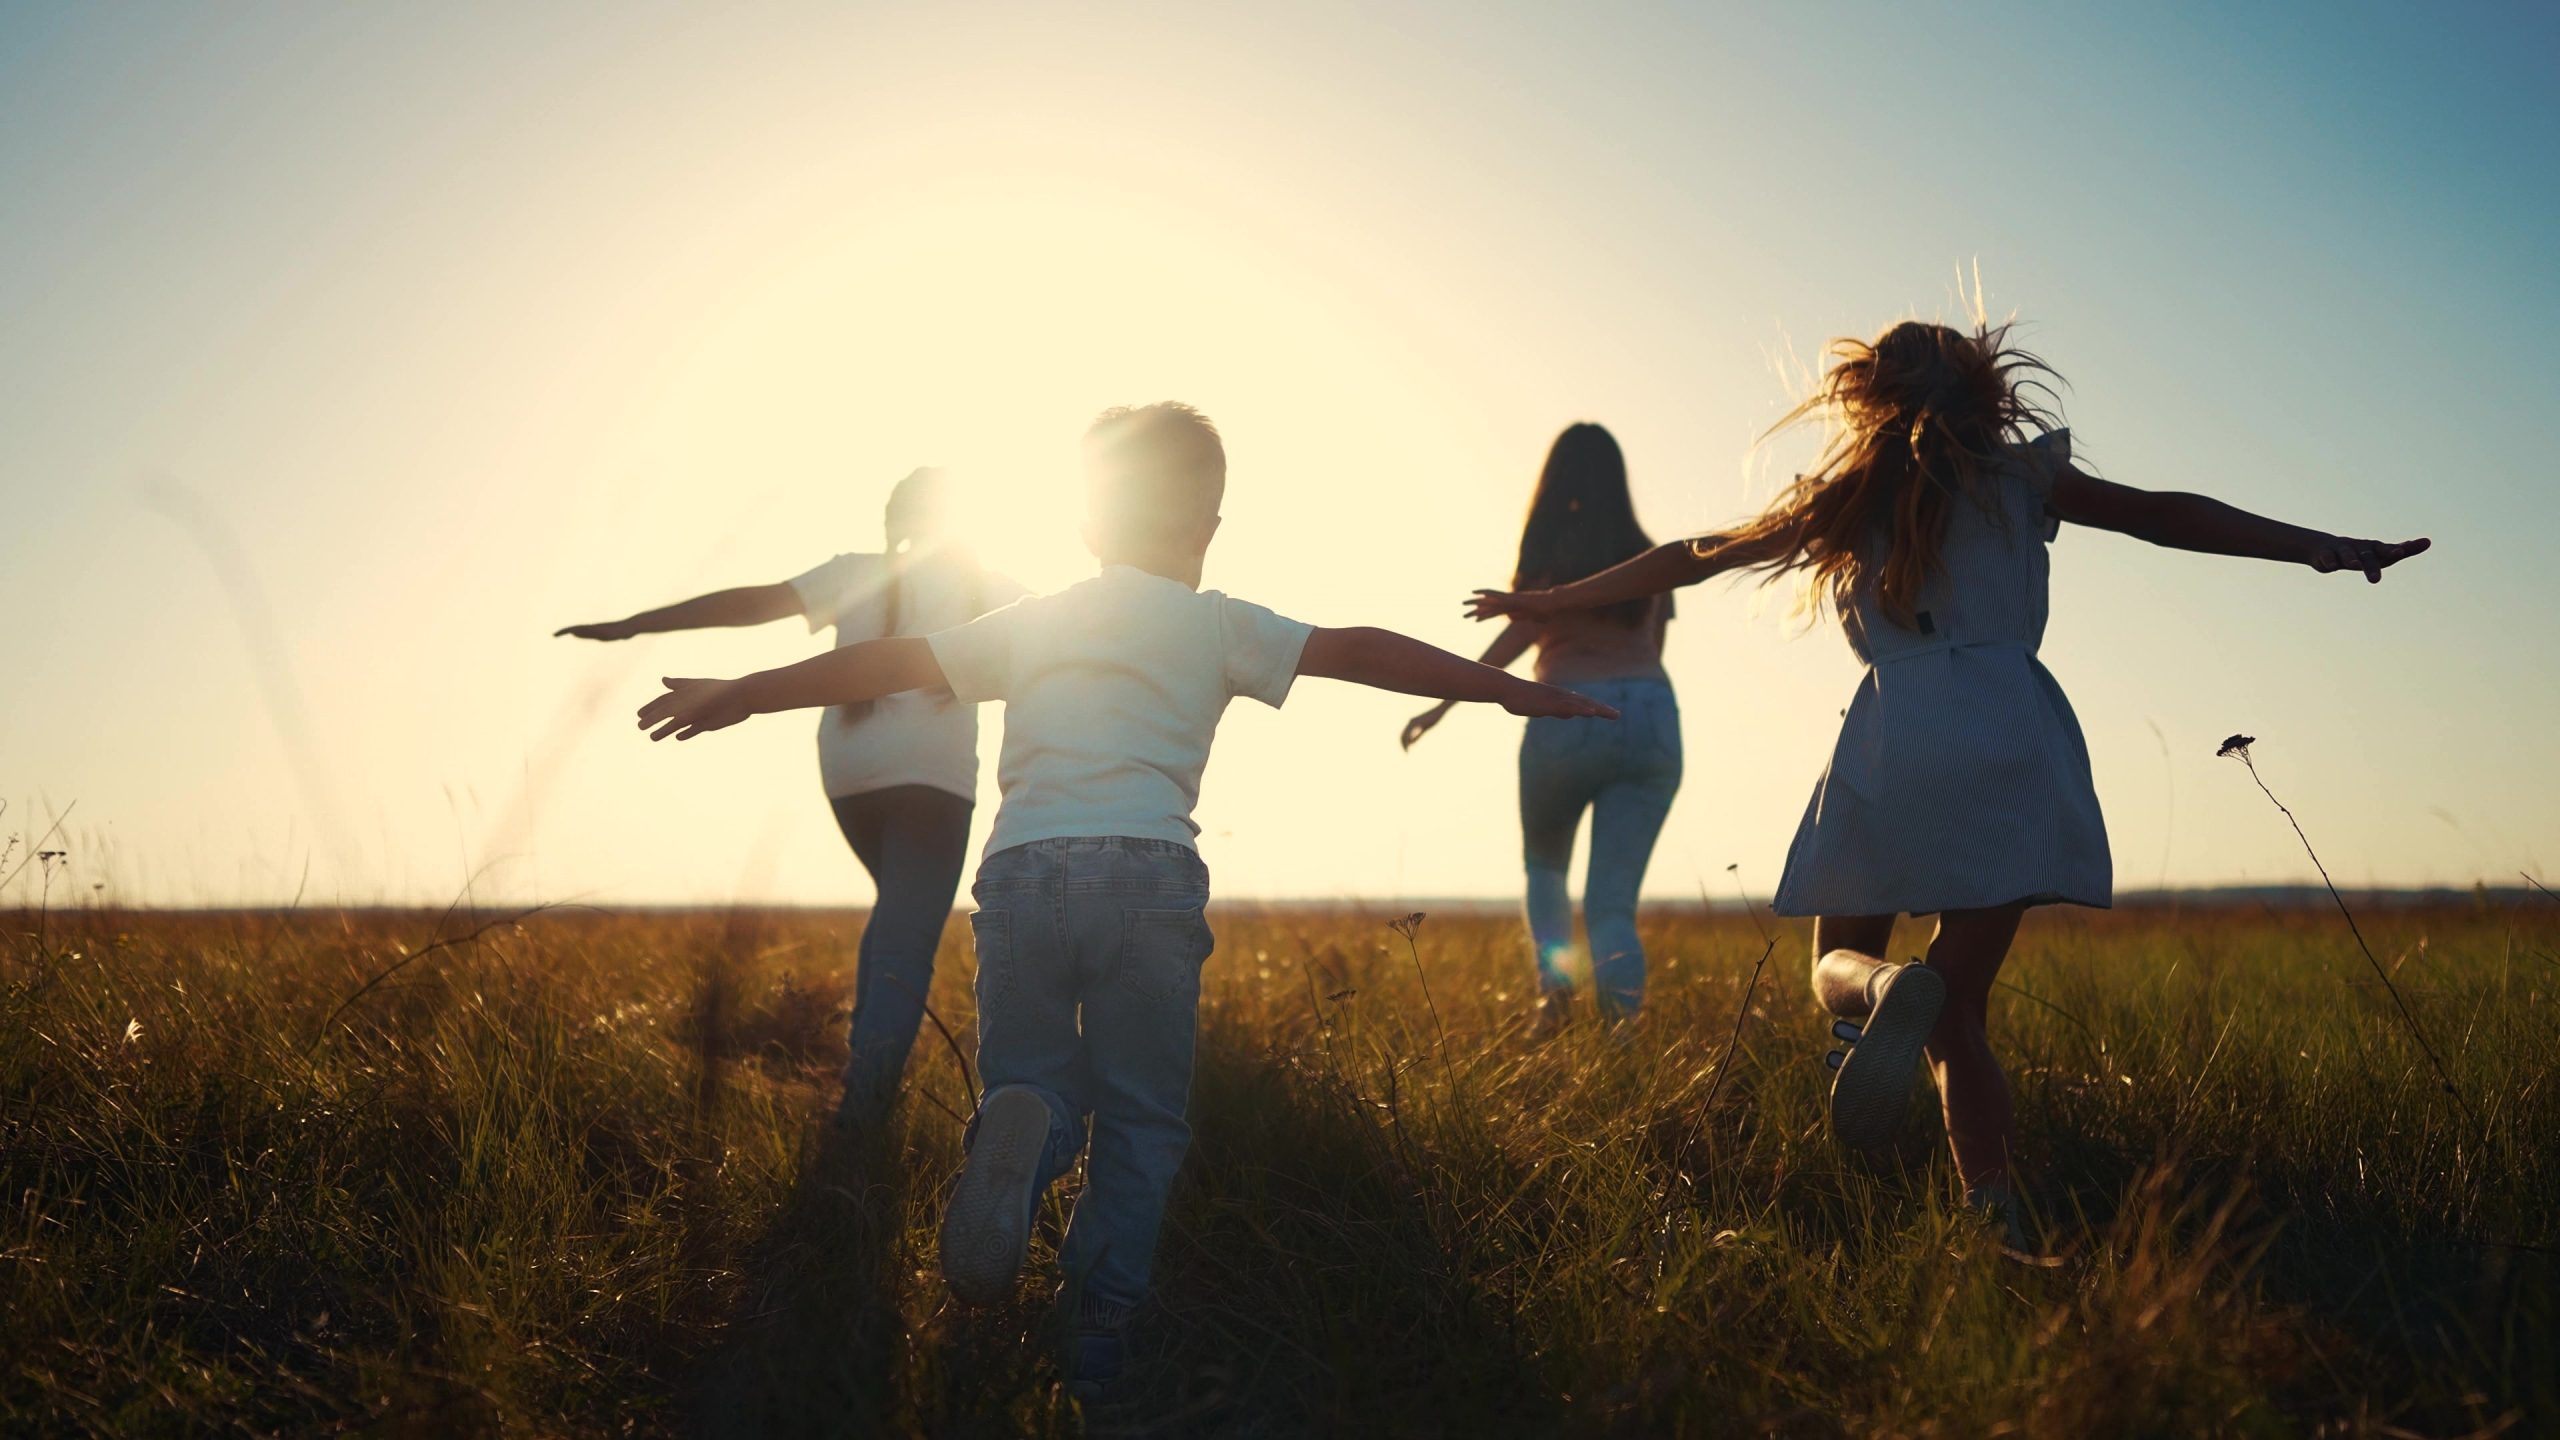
x,y
1847,950
1896,1009
1031,1120
1625,822
914,839
1967,954
1553,796
1138,922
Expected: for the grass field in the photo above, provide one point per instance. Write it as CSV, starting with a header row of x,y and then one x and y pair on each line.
x,y
567,1177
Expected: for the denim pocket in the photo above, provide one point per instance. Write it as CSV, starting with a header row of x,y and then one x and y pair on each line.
x,y
1161,952
993,931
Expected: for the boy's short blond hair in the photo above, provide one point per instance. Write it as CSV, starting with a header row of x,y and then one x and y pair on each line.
x,y
1153,473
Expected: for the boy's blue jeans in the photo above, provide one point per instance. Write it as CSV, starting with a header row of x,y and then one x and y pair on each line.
x,y
1625,772
1089,956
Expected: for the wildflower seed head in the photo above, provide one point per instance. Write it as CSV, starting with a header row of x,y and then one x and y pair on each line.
x,y
2237,747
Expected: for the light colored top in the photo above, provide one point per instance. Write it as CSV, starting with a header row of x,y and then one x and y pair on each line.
x,y
1112,691
917,737
1989,587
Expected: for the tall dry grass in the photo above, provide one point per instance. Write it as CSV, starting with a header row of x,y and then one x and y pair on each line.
x,y
567,1177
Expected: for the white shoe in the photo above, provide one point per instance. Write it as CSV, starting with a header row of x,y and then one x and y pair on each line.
x,y
987,1229
1873,1086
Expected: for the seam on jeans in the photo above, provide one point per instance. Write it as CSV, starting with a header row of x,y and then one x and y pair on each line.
x,y
1054,895
1136,921
1126,886
981,921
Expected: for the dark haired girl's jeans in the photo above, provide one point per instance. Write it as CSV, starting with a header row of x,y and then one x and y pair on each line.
x,y
914,839
1625,772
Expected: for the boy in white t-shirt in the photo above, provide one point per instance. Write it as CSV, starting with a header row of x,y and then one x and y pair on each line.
x,y
1091,897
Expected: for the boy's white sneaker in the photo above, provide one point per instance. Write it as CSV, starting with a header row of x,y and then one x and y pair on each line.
x,y
1873,1086
987,1229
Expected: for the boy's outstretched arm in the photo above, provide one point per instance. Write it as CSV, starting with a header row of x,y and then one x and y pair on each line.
x,y
1507,647
847,676
1664,567
2202,523
744,605
1389,661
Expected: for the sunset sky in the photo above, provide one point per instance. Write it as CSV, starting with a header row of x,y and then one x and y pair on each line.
x,y
346,352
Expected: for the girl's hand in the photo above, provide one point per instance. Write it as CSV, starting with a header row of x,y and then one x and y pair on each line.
x,y
601,630
2372,557
1536,605
1420,725
692,706
1528,697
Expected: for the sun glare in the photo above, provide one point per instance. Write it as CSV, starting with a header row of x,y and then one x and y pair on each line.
x,y
984,333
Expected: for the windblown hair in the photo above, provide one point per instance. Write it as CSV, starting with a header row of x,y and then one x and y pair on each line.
x,y
1581,519
1920,415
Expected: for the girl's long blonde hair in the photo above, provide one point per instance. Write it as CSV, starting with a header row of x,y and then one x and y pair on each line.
x,y
1919,415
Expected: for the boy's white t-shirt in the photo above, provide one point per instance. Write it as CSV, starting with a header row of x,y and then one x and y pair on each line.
x,y
916,737
1112,691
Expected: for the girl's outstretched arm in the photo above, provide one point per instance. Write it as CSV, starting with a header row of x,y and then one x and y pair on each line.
x,y
846,676
744,605
1664,567
2202,523
1389,661
1510,645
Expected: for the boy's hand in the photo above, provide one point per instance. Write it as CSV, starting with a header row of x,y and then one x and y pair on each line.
x,y
1525,604
1528,697
601,630
692,706
2372,557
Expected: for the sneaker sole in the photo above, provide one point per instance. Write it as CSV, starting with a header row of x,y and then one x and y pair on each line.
x,y
987,1228
1873,1088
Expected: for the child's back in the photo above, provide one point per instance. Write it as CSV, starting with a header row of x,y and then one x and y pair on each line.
x,y
1113,690
1989,584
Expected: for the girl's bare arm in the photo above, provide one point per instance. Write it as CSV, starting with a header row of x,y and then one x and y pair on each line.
x,y
1664,567
2201,523
1389,661
1507,647
743,605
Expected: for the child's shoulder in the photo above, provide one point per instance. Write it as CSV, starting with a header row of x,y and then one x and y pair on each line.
x,y
2044,452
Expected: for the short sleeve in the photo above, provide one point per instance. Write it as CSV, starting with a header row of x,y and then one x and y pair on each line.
x,y
2047,456
977,658
1260,650
828,591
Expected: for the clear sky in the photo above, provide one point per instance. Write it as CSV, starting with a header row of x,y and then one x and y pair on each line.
x,y
347,351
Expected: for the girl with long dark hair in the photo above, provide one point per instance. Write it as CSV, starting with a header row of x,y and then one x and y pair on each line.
x,y
1582,521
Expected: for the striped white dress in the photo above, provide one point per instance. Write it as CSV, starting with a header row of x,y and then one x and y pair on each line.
x,y
1960,780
